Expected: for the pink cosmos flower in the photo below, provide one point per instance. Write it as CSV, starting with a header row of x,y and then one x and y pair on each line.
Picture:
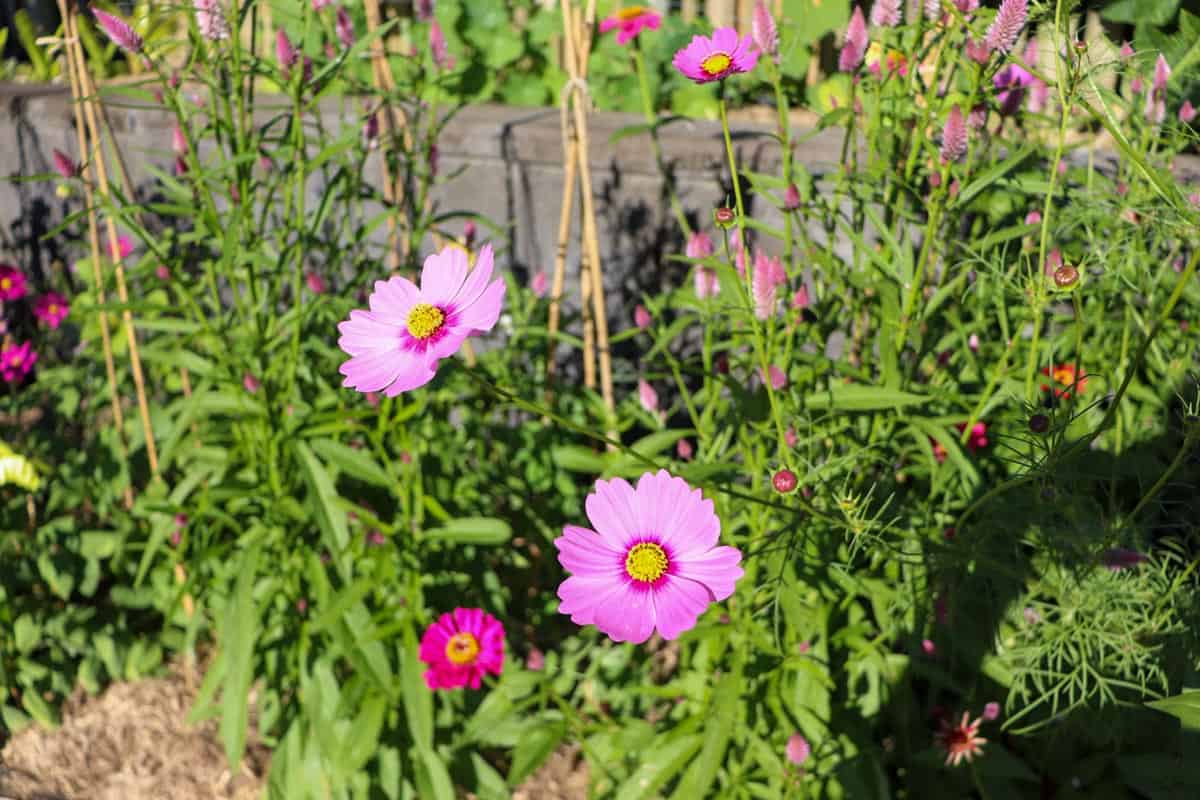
x,y
396,345
12,282
647,396
885,13
1006,27
67,168
631,21
1011,83
652,563
855,47
763,30
1187,112
210,19
954,137
539,283
461,647
343,26
16,361
119,31
438,47
51,308
712,59
641,317
798,749
768,274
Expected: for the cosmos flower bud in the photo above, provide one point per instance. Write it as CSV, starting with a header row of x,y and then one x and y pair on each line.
x,y
785,481
1066,276
724,217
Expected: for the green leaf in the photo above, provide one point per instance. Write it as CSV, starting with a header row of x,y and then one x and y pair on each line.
x,y
26,633
719,724
418,700
1185,706
433,780
659,765
577,458
857,397
364,733
355,463
238,634
1142,12
975,187
331,517
472,530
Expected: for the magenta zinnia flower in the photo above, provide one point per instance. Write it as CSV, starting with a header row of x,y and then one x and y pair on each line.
x,y
705,60
16,361
396,346
460,647
855,46
12,283
954,137
1006,27
631,21
652,563
885,13
119,31
51,308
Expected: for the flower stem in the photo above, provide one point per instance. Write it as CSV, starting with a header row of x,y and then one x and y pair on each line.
x,y
652,129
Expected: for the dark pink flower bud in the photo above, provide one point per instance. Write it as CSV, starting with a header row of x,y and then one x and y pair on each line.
x,y
469,233
791,198
991,711
438,47
1187,112
641,317
539,283
785,481
65,166
763,31
535,661
424,9
162,272
683,449
344,27
315,283
285,52
250,383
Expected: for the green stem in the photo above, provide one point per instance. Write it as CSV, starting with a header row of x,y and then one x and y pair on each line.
x,y
652,128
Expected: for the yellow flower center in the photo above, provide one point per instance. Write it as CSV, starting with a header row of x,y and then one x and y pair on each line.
x,y
646,562
630,12
425,320
716,63
463,648
53,309
1064,376
5,283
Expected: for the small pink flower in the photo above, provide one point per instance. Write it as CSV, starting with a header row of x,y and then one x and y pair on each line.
x,y
977,439
535,660
69,169
320,5
973,342
885,13
250,383
539,284
438,47
977,51
928,647
1053,261
798,749
16,361
123,250
630,21
374,538
855,46
1126,51
960,740
302,606
785,481
461,647
653,562
683,449
12,283
954,137
51,308
210,19
1187,112
119,31
343,26
991,711
708,59
179,143
396,345
162,272
933,9
763,30
641,317
776,377
1033,218
647,396
1137,84
469,232
315,283
285,52
801,300
789,437
967,7
1006,27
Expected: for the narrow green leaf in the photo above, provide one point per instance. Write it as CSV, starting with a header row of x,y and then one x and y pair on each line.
x,y
857,397
331,517
237,636
534,747
355,463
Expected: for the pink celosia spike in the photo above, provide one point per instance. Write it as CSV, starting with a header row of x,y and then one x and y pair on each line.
x,y
763,31
1162,73
855,46
438,47
1006,27
933,9
119,31
1187,112
285,52
344,27
954,137
885,13
210,19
